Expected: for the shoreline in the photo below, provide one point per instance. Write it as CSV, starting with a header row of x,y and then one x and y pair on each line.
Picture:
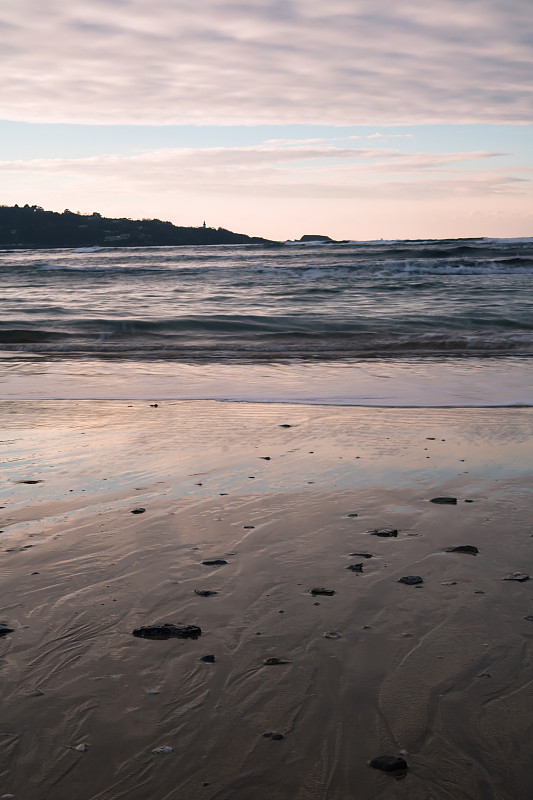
x,y
378,383
440,671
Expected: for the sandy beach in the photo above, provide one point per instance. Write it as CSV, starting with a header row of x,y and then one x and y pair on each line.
x,y
287,496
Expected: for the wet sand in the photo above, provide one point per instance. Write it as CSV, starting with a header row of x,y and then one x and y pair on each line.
x,y
440,671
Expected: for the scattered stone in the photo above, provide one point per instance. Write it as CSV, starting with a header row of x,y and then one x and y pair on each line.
x,y
265,458
316,604
430,438
30,483
384,532
463,548
355,567
205,592
478,591
468,501
214,562
4,630
35,573
485,675
367,627
529,618
411,580
516,576
162,750
82,748
210,659
285,426
138,510
316,590
448,583
332,635
152,691
362,555
445,501
352,515
154,405
168,631
275,736
389,763
248,527
273,661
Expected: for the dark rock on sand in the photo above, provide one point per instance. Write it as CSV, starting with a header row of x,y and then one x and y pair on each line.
x,y
384,532
445,501
285,426
273,661
316,590
168,631
463,548
389,763
529,618
516,576
362,555
271,735
355,567
352,515
265,458
210,659
30,483
205,592
214,562
411,580
138,510
248,527
4,630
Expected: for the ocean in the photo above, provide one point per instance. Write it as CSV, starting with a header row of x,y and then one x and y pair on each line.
x,y
386,323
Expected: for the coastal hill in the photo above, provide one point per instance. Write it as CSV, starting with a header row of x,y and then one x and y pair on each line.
x,y
33,227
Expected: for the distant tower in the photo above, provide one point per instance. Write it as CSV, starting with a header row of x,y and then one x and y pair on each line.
x,y
203,226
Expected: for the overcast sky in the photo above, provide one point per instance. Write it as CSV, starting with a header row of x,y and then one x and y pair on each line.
x,y
355,118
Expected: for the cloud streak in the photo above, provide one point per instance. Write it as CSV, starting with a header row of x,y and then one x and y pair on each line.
x,y
266,61
298,170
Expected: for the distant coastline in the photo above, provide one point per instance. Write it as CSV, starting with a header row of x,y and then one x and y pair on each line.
x,y
33,227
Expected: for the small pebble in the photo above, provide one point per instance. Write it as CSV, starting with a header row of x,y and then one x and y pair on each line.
x,y
162,750
448,583
138,510
210,659
332,635
411,580
388,763
516,576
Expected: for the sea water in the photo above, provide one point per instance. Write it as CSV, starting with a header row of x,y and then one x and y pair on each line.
x,y
389,323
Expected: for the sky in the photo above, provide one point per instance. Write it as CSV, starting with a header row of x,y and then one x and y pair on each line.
x,y
357,119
